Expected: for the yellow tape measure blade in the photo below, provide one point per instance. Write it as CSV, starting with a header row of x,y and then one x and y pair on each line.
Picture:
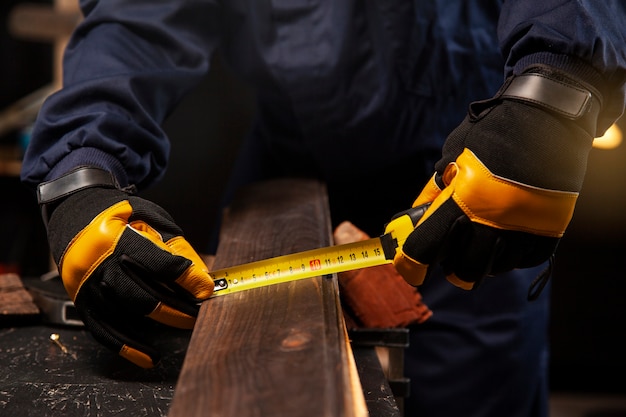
x,y
307,264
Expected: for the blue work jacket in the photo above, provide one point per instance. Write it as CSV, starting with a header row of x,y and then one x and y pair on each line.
x,y
383,79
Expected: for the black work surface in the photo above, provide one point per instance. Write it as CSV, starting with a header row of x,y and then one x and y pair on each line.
x,y
38,379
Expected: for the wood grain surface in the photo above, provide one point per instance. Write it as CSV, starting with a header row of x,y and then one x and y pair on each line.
x,y
15,302
281,350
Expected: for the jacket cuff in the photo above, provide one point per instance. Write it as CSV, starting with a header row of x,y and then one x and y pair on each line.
x,y
573,66
89,156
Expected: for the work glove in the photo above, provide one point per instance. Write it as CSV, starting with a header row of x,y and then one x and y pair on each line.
x,y
122,260
504,191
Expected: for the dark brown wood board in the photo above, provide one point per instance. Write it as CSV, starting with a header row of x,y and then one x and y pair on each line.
x,y
16,304
280,350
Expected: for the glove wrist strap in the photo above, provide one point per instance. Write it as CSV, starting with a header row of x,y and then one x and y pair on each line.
x,y
568,100
78,179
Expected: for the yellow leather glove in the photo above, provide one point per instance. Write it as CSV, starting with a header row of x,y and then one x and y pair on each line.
x,y
504,191
122,260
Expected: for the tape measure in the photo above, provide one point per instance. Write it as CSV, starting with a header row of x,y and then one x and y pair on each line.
x,y
322,261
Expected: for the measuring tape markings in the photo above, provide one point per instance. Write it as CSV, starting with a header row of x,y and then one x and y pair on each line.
x,y
312,263
322,261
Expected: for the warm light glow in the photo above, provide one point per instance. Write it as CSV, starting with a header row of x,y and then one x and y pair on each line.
x,y
610,140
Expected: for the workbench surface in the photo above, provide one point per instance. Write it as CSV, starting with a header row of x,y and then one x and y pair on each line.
x,y
38,379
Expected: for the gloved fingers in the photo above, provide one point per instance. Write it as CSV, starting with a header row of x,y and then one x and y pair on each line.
x,y
470,252
173,263
131,286
158,226
423,246
195,279
413,263
125,285
467,250
413,271
522,250
430,191
115,337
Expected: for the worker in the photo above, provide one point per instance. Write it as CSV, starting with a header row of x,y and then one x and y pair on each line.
x,y
487,110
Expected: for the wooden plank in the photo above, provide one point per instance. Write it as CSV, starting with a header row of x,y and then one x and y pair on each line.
x,y
280,350
16,304
40,22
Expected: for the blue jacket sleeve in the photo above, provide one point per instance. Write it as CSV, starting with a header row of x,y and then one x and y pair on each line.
x,y
586,38
127,61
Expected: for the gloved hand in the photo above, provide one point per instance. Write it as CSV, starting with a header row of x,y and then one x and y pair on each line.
x,y
123,259
504,191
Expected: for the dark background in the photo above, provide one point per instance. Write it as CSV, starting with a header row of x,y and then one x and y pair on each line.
x,y
588,311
